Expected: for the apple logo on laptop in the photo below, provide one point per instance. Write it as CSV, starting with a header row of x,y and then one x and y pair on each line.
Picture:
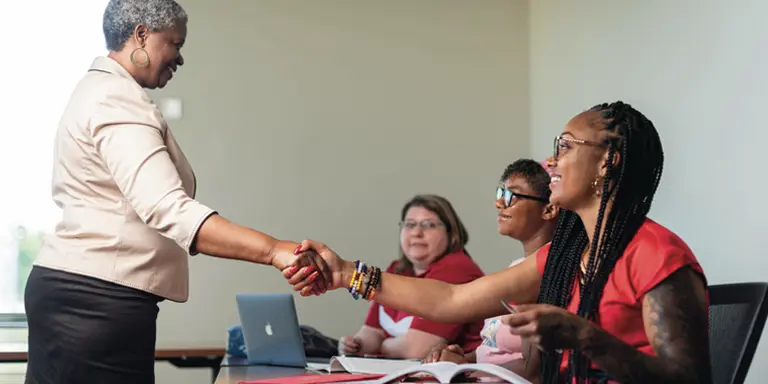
x,y
268,329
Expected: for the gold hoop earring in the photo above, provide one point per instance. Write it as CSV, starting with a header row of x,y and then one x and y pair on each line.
x,y
140,63
596,186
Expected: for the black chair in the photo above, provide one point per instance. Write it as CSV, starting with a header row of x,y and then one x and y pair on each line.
x,y
737,315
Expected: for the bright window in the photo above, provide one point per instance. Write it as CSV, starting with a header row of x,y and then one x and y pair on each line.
x,y
50,45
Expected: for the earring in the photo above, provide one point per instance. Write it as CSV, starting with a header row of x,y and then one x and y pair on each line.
x,y
596,186
143,61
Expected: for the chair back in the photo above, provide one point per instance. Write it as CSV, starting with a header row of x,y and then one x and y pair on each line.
x,y
737,314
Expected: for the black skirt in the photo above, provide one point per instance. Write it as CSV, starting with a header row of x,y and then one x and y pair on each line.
x,y
85,330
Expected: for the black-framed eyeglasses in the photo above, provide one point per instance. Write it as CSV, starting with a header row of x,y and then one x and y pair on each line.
x,y
425,225
507,195
562,143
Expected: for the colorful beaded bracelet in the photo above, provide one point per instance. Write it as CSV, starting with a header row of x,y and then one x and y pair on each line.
x,y
364,281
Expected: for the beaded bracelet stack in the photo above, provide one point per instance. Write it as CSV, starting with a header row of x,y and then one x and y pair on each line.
x,y
364,281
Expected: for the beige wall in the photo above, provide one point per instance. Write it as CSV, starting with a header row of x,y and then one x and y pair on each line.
x,y
321,118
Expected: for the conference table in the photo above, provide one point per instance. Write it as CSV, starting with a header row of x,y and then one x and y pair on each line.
x,y
234,370
234,375
180,357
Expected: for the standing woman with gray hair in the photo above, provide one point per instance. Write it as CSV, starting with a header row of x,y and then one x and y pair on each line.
x,y
129,215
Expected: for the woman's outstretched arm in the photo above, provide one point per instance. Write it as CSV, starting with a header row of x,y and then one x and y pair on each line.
x,y
433,299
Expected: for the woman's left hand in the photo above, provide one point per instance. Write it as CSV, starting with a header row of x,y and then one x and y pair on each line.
x,y
444,352
549,327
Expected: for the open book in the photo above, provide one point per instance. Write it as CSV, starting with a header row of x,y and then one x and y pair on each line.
x,y
445,371
363,365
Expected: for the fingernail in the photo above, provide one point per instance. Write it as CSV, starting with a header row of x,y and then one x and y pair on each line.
x,y
312,277
311,268
297,250
293,270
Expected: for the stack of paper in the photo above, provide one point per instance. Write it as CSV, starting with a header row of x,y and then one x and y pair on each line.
x,y
316,379
362,365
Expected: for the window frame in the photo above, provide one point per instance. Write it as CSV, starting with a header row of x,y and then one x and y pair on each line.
x,y
13,320
17,319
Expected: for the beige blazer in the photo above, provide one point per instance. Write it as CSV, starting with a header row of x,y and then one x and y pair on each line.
x,y
125,188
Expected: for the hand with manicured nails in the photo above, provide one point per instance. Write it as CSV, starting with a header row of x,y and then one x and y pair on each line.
x,y
289,256
334,269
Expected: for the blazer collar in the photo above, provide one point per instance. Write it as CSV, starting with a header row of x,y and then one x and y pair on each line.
x,y
104,63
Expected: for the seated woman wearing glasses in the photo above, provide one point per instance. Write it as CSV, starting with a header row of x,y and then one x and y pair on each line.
x,y
432,241
615,297
526,216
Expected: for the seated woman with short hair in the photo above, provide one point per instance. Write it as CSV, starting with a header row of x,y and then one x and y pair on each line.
x,y
524,214
432,241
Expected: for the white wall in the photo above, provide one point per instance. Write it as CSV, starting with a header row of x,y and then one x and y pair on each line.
x,y
321,118
697,69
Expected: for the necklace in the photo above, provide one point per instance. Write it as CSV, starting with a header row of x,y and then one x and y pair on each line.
x,y
583,263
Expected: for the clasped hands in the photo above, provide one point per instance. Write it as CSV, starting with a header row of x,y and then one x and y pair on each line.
x,y
311,267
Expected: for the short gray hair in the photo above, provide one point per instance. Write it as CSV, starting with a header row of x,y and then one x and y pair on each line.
x,y
122,16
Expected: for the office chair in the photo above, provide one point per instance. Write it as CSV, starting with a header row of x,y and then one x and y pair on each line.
x,y
737,314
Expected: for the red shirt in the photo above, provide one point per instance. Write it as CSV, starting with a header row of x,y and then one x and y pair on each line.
x,y
653,255
454,268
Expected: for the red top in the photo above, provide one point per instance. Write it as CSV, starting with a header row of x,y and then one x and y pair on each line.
x,y
653,255
454,268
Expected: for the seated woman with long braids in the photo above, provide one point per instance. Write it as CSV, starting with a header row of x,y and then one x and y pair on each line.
x,y
616,294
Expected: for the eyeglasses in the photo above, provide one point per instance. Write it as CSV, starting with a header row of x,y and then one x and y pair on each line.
x,y
507,195
425,225
562,144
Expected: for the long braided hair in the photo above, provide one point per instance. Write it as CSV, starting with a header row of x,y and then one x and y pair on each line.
x,y
631,185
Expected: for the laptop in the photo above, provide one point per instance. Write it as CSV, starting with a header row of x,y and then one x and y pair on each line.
x,y
271,329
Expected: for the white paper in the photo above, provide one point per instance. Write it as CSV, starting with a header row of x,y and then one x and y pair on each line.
x,y
360,365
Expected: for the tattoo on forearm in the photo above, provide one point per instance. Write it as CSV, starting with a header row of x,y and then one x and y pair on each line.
x,y
676,321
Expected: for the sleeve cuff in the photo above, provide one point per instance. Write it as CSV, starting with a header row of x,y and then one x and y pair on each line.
x,y
202,213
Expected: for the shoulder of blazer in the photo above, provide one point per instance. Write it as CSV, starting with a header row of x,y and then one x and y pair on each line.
x,y
111,86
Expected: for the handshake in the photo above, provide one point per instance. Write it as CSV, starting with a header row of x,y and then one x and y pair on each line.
x,y
311,267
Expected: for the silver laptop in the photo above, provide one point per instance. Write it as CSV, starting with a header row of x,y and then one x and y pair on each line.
x,y
271,329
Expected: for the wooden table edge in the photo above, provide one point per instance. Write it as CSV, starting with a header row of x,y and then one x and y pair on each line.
x,y
160,354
